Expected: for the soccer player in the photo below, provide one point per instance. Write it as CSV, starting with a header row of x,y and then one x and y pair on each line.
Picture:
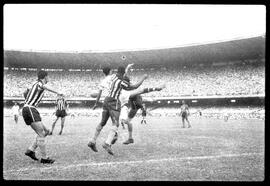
x,y
185,113
16,111
61,108
143,114
132,100
104,86
32,117
112,105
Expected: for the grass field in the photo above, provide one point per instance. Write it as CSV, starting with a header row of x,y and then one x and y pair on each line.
x,y
212,150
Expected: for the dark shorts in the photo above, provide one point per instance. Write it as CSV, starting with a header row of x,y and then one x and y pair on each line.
x,y
111,108
184,115
30,115
132,113
61,113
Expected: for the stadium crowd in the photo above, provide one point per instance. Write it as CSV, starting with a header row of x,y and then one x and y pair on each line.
x,y
196,81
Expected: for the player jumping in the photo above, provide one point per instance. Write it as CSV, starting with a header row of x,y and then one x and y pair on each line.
x,y
132,100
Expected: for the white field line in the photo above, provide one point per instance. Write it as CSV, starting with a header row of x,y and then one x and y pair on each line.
x,y
132,162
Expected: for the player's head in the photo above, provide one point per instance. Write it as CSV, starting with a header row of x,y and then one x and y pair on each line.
x,y
15,103
43,75
183,102
121,71
106,70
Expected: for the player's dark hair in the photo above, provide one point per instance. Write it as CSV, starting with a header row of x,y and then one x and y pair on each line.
x,y
42,74
121,70
106,70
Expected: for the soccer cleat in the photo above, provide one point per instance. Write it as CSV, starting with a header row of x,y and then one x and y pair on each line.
x,y
115,138
47,161
130,140
50,133
107,147
92,146
31,154
60,132
189,126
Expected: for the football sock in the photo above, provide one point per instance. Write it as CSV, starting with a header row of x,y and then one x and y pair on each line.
x,y
111,135
42,146
34,145
129,130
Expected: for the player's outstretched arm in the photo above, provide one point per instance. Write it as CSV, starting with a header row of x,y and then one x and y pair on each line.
x,y
49,89
135,86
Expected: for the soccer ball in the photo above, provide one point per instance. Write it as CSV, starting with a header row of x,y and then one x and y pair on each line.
x,y
123,58
94,94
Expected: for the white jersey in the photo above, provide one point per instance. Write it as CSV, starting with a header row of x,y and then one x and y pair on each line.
x,y
105,84
15,110
124,97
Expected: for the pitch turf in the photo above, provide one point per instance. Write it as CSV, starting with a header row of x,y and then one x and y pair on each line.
x,y
212,150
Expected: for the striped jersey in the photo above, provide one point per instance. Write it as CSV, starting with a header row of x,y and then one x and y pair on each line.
x,y
35,94
116,86
61,104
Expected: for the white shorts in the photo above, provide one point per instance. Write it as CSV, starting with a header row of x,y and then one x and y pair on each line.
x,y
124,113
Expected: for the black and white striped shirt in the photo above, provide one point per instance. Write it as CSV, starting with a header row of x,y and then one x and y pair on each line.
x,y
35,94
116,86
61,104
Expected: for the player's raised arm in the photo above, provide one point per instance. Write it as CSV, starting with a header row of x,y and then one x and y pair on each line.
x,y
134,86
128,68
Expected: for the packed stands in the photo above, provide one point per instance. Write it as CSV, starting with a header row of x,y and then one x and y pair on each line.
x,y
196,81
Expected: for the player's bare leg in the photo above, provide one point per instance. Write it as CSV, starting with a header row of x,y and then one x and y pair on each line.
x,y
92,142
189,126
62,124
183,122
130,129
40,142
53,125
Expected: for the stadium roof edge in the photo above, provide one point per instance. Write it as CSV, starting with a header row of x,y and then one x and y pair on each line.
x,y
142,49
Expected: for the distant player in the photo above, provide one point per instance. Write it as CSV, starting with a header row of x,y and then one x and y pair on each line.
x,y
131,101
16,112
61,112
184,114
143,114
32,117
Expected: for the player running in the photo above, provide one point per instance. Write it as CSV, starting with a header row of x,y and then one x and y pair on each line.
x,y
61,112
133,101
32,117
184,114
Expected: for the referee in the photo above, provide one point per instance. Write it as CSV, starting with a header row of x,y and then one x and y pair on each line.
x,y
61,108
